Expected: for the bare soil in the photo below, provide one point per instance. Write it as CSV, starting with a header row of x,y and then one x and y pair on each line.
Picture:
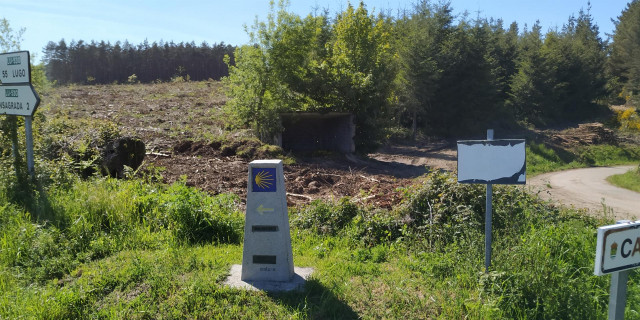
x,y
179,123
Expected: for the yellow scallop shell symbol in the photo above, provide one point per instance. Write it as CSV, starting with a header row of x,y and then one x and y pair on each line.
x,y
264,180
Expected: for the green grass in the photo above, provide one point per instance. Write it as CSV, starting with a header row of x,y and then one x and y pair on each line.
x,y
138,249
542,158
111,249
629,180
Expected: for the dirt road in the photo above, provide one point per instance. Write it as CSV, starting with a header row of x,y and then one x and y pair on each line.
x,y
588,188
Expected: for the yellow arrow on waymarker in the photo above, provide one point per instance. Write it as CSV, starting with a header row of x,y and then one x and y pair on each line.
x,y
261,209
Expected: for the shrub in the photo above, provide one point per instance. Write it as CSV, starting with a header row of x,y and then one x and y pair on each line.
x,y
629,120
132,79
194,217
604,155
375,227
442,210
77,142
326,218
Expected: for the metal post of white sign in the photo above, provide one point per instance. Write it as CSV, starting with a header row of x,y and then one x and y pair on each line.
x,y
29,137
488,218
618,290
618,295
14,149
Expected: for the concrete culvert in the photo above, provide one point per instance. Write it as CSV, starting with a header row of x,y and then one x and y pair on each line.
x,y
308,132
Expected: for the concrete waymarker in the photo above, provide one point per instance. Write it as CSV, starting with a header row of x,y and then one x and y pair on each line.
x,y
267,259
267,241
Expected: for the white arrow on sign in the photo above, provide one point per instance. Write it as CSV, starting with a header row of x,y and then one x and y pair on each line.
x,y
18,100
261,209
15,67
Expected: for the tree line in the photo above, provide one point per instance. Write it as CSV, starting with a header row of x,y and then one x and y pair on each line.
x,y
421,70
103,62
624,58
426,69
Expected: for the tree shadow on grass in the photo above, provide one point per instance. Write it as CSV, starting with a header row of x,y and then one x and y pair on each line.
x,y
315,301
30,194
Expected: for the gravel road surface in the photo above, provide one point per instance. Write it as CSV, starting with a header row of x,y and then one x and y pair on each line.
x,y
588,188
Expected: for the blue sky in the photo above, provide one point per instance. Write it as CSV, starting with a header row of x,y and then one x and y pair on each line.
x,y
223,21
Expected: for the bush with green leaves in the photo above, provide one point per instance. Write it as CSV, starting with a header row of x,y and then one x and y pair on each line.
x,y
194,217
76,142
542,263
442,210
311,64
345,218
376,227
326,218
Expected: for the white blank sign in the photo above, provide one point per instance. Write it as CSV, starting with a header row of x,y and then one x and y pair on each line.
x,y
492,161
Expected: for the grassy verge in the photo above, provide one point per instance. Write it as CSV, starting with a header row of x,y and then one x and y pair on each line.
x,y
113,249
629,180
541,158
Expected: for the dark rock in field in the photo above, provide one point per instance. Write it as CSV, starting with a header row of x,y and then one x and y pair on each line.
x,y
121,152
215,145
183,146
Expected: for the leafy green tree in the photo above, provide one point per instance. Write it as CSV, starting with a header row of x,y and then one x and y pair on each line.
x,y
309,64
255,93
624,62
562,77
283,70
420,37
9,39
580,61
362,74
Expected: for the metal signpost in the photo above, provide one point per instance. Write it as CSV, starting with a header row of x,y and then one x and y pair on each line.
x,y
18,100
15,67
617,252
17,96
491,162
